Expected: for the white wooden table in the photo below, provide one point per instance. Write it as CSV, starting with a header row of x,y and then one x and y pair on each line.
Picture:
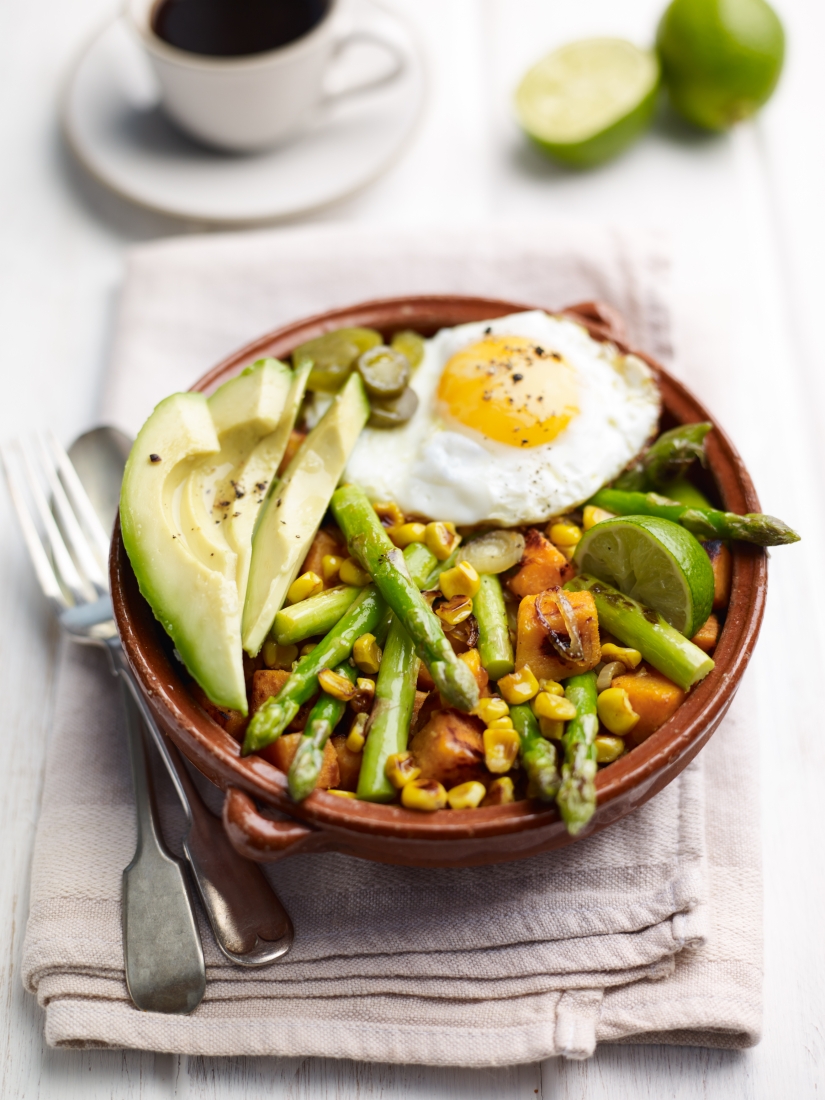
x,y
747,217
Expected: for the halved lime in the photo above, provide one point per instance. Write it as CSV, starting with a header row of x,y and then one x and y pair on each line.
x,y
585,102
655,561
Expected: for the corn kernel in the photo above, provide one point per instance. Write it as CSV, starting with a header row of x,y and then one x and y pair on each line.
x,y
357,733
630,657
462,580
594,515
401,769
336,685
426,795
505,723
472,659
308,648
500,792
351,572
615,711
366,653
455,611
441,539
466,796
555,707
406,533
608,749
500,749
552,687
330,566
519,686
279,656
308,584
389,513
564,534
551,729
490,709
364,696
342,794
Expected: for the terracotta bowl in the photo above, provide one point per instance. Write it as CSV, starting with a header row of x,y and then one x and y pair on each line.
x,y
261,820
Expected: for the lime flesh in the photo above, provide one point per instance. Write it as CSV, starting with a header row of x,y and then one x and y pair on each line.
x,y
587,101
720,59
654,561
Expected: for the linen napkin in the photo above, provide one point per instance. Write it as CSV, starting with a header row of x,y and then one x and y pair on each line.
x,y
648,932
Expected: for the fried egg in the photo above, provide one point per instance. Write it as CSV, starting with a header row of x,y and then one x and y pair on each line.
x,y
519,419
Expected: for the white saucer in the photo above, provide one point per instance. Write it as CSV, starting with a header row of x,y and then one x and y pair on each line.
x,y
115,126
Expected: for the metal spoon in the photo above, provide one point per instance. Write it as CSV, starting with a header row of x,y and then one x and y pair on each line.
x,y
250,924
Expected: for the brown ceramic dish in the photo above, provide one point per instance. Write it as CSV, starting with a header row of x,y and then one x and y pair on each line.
x,y
264,824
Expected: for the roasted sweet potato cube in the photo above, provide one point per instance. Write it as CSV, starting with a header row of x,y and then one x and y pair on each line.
x,y
652,696
707,635
349,763
268,682
722,562
324,543
418,703
281,753
543,566
450,748
534,643
232,721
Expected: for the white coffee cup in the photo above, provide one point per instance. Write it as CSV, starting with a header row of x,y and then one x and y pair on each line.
x,y
255,101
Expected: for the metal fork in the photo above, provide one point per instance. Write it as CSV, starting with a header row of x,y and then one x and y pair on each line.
x,y
164,959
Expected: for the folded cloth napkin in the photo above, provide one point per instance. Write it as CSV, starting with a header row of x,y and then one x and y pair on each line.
x,y
647,932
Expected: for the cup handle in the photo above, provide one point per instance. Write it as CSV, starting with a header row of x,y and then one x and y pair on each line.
x,y
381,81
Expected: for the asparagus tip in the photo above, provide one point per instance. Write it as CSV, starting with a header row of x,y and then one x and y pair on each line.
x,y
456,683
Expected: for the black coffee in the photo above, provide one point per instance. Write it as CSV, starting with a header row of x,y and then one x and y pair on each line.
x,y
232,28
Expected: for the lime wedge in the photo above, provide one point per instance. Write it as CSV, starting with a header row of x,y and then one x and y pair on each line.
x,y
654,561
587,101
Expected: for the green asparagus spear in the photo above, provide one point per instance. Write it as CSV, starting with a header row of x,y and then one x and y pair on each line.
x,y
705,523
685,492
538,757
640,628
577,795
670,457
370,544
363,617
389,726
494,645
323,718
317,615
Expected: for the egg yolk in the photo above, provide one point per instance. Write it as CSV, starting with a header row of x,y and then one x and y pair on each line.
x,y
511,390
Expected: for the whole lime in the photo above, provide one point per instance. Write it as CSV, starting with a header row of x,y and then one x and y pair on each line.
x,y
720,59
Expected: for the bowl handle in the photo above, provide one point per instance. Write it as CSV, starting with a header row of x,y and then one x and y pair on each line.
x,y
601,319
265,839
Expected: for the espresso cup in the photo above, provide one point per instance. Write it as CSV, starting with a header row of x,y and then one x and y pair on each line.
x,y
256,101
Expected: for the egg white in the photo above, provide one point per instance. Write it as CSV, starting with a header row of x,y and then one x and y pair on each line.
x,y
437,468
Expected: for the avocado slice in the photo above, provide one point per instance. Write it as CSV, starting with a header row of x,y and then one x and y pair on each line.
x,y
196,604
245,409
293,513
257,477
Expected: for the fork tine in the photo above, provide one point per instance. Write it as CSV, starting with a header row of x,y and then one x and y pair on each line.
x,y
76,540
64,566
40,559
83,507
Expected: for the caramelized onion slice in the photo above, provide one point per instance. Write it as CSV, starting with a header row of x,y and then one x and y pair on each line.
x,y
494,552
568,644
